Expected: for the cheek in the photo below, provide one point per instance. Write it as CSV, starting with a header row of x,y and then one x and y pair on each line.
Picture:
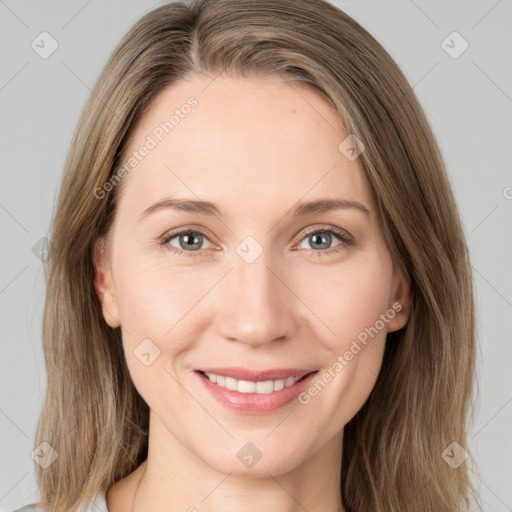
x,y
348,298
161,307
156,311
353,303
154,297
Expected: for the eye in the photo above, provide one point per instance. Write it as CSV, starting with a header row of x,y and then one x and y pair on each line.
x,y
320,240
185,241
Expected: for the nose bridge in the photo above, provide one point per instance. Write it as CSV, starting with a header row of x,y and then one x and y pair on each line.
x,y
256,306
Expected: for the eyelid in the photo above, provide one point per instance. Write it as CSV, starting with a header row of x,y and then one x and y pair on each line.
x,y
329,228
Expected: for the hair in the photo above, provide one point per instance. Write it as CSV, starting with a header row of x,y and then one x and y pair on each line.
x,y
392,448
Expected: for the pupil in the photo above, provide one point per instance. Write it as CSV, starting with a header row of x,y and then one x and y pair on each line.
x,y
190,241
326,237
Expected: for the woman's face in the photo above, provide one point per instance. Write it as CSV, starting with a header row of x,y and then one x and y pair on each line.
x,y
257,282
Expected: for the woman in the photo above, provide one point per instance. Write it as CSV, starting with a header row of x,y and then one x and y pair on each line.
x,y
259,294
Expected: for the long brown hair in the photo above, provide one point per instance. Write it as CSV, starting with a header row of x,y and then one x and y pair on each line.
x,y
393,448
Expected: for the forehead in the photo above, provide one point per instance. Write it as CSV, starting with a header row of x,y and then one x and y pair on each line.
x,y
246,143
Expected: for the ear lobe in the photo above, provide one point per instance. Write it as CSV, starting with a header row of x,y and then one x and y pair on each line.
x,y
104,285
400,301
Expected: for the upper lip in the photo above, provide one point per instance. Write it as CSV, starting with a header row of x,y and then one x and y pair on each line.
x,y
257,375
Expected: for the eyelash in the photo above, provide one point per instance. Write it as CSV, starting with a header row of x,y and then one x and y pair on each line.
x,y
346,240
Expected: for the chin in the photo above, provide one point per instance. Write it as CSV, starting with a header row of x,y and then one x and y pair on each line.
x,y
254,460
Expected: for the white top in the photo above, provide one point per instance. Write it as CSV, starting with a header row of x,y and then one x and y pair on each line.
x,y
98,504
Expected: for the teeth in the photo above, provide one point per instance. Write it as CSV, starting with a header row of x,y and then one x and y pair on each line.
x,y
248,386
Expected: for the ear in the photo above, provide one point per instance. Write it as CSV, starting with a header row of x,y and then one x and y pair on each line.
x,y
400,300
104,285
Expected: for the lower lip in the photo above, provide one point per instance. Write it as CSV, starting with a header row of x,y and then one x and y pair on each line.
x,y
256,403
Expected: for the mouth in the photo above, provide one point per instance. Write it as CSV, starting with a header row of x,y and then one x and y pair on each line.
x,y
260,385
256,393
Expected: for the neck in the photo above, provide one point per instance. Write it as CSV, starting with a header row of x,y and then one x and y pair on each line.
x,y
174,478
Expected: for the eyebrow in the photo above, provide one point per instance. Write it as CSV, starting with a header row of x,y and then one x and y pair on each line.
x,y
208,208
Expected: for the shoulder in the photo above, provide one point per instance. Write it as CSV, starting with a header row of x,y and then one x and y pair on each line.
x,y
98,504
32,507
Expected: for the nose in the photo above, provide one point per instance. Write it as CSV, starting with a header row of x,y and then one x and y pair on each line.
x,y
257,306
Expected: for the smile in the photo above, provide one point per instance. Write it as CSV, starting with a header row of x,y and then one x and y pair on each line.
x,y
258,392
248,386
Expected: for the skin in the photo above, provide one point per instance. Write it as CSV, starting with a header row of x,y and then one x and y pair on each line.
x,y
254,147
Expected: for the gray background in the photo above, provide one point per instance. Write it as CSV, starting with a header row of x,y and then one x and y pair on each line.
x,y
468,101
